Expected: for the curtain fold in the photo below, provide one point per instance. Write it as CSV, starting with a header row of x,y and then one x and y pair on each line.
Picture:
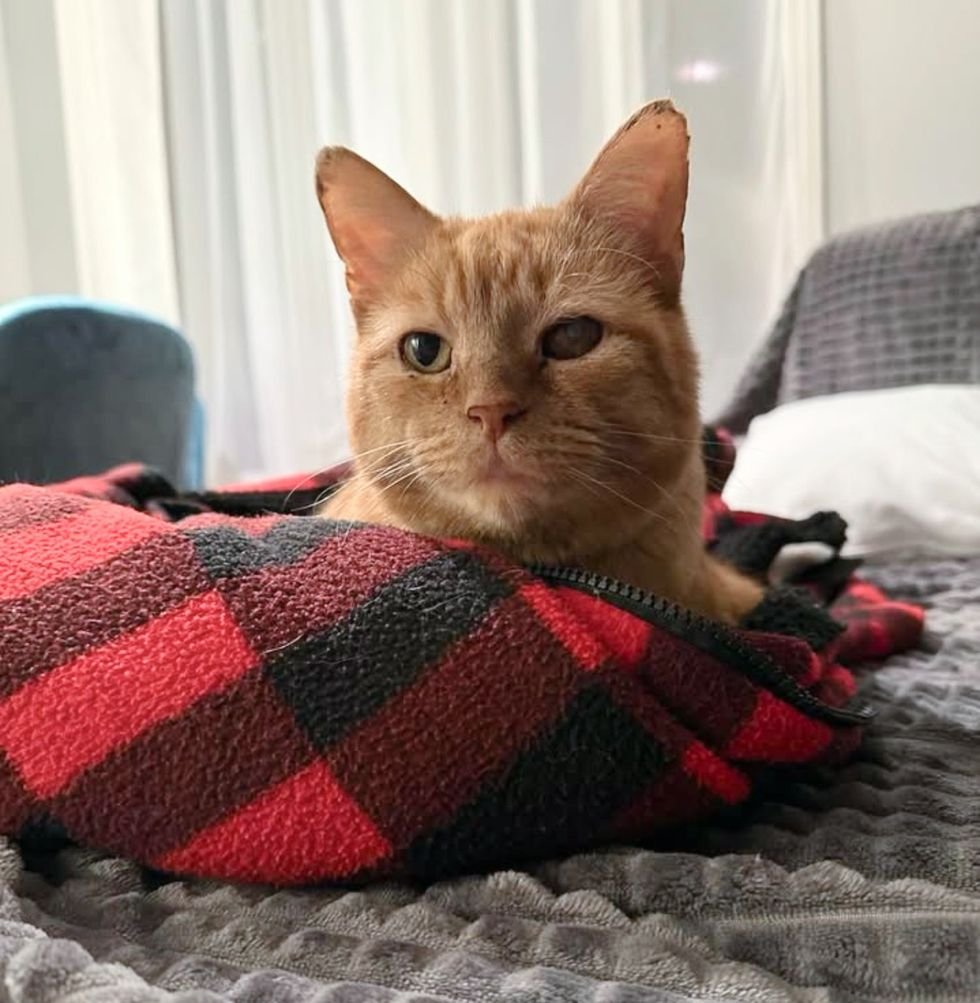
x,y
38,252
111,96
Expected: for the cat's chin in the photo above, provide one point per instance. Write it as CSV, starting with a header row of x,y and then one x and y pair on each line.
x,y
497,504
503,503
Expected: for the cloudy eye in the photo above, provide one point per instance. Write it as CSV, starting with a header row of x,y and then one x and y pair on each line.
x,y
571,339
426,352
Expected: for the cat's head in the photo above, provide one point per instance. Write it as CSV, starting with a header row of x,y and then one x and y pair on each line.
x,y
527,378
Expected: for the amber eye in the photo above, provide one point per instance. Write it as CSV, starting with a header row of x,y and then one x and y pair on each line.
x,y
571,339
426,352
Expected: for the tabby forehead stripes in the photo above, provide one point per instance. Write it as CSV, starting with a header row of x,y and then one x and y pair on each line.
x,y
486,280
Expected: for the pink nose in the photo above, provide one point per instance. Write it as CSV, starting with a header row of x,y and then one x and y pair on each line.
x,y
495,419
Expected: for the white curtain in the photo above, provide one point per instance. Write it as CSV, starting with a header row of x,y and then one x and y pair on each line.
x,y
188,128
84,195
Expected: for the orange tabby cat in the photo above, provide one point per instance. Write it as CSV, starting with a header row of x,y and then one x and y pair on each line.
x,y
527,380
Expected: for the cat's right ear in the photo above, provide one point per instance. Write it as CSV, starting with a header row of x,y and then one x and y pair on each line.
x,y
373,222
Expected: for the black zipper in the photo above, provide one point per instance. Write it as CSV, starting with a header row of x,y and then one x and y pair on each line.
x,y
711,637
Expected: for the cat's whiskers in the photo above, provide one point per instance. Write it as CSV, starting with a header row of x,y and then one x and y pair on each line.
x,y
299,484
358,474
385,452
564,279
584,478
604,249
562,273
407,480
383,465
377,449
651,436
421,509
316,503
367,473
665,492
595,276
408,470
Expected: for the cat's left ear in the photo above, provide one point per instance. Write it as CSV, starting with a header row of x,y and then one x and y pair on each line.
x,y
638,186
374,223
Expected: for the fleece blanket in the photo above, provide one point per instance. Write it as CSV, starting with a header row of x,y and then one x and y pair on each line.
x,y
852,884
211,685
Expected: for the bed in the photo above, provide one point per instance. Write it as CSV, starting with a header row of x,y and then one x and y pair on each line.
x,y
861,883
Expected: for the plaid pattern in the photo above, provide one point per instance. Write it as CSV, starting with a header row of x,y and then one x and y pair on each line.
x,y
212,686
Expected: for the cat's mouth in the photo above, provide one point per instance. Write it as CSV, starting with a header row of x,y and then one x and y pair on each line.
x,y
496,489
496,472
500,479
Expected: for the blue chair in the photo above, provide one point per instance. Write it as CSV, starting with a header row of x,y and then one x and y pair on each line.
x,y
86,385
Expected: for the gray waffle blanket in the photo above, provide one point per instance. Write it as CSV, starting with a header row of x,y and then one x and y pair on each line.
x,y
862,884
889,305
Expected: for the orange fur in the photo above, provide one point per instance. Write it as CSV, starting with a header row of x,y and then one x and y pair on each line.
x,y
600,465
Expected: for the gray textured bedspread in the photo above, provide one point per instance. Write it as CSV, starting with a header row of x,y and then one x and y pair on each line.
x,y
863,884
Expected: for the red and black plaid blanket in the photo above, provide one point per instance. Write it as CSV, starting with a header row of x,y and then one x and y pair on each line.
x,y
213,686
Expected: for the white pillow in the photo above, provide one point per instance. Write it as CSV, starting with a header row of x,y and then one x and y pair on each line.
x,y
902,466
